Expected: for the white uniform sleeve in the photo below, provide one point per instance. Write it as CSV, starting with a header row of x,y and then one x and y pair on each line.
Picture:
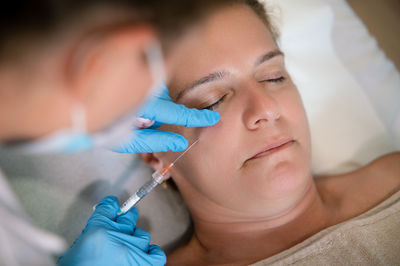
x,y
21,242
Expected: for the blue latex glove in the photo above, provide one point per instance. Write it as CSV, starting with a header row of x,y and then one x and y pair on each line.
x,y
111,240
161,109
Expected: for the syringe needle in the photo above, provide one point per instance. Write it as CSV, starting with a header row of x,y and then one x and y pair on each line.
x,y
166,169
183,153
158,178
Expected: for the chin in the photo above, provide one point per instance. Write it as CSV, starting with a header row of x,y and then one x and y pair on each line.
x,y
285,178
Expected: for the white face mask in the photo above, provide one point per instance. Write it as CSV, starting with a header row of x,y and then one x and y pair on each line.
x,y
77,139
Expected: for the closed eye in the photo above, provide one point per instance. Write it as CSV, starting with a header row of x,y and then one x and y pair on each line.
x,y
276,80
215,105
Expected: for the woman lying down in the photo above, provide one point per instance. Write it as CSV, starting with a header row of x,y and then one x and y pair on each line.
x,y
248,182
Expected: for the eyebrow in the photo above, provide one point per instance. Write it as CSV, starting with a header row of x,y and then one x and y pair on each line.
x,y
268,56
219,75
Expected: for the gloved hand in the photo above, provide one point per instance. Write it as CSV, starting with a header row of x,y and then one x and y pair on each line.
x,y
111,240
161,109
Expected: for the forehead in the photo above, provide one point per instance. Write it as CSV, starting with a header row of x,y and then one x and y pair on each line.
x,y
232,38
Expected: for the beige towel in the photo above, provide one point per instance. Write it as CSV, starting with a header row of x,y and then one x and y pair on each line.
x,y
373,238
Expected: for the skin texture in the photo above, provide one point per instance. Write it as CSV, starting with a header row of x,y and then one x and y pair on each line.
x,y
104,71
246,209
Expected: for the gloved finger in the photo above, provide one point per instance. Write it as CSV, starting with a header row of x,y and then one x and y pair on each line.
x,y
150,140
157,255
129,218
154,258
135,252
107,207
151,102
163,93
142,239
168,112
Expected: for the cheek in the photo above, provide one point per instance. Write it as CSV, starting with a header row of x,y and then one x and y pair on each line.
x,y
216,143
294,112
209,156
222,142
211,164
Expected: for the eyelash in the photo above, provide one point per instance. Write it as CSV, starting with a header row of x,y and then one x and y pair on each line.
x,y
277,80
214,105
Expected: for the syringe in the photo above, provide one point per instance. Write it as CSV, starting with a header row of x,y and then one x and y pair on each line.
x,y
158,178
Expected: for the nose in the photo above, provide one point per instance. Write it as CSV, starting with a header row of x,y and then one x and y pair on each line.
x,y
261,107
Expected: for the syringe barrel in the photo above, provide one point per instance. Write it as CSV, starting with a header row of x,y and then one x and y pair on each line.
x,y
158,177
146,188
129,203
140,193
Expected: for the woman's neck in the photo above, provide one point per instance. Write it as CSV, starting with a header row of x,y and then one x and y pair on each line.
x,y
250,241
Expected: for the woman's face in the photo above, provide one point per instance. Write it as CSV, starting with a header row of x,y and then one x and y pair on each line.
x,y
231,64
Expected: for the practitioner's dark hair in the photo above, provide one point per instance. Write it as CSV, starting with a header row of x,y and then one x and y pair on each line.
x,y
25,21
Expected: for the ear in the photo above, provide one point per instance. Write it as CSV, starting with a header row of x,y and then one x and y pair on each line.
x,y
152,160
109,75
104,57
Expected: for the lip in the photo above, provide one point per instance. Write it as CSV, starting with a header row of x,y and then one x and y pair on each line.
x,y
274,147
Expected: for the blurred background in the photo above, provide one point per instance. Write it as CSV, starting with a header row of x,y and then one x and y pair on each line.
x,y
382,18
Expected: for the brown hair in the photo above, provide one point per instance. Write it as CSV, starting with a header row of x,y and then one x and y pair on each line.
x,y
263,13
260,9
24,21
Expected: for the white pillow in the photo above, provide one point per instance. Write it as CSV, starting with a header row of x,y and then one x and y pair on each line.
x,y
346,131
368,64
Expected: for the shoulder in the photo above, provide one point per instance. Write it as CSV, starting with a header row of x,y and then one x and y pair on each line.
x,y
389,164
382,175
358,191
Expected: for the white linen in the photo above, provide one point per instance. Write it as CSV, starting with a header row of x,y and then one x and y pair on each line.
x,y
368,64
370,239
346,130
